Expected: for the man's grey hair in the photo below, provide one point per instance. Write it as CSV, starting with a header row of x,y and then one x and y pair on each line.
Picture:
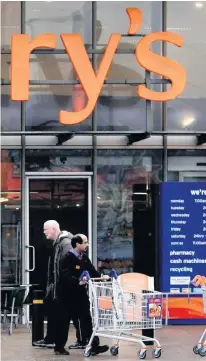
x,y
52,223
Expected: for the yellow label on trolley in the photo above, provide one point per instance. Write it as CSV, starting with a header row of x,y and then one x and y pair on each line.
x,y
38,302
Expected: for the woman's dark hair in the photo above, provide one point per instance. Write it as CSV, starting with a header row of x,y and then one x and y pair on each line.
x,y
76,239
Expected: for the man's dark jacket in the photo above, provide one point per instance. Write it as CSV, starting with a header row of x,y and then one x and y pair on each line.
x,y
71,268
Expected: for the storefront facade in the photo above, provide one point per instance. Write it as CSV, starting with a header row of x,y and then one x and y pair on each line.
x,y
101,176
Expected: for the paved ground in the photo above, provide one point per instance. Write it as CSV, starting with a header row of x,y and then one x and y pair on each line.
x,y
177,343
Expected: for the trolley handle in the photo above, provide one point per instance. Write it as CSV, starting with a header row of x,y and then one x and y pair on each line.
x,y
103,278
85,274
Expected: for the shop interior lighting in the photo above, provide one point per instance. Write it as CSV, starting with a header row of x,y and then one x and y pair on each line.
x,y
199,5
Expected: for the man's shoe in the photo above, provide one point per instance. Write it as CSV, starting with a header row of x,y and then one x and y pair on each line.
x,y
49,344
61,352
77,346
43,344
99,349
95,341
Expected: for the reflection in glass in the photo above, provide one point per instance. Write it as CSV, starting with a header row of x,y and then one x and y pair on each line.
x,y
58,17
10,21
122,174
187,165
58,160
121,113
186,114
10,216
44,105
188,111
119,107
66,201
107,12
10,111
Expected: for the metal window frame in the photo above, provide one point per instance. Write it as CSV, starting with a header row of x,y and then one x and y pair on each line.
x,y
23,159
94,142
164,105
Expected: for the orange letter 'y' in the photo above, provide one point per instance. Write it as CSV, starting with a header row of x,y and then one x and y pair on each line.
x,y
21,49
168,68
92,83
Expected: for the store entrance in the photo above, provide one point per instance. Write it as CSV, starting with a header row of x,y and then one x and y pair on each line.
x,y
66,200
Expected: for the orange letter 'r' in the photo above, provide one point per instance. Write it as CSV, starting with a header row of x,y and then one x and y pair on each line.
x,y
21,49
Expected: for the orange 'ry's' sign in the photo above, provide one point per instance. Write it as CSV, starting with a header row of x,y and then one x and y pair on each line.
x,y
92,82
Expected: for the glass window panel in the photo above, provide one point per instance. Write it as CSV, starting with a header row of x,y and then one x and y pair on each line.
x,y
58,17
10,111
120,172
58,160
10,21
188,111
51,67
156,106
5,66
112,18
187,165
119,108
11,216
116,112
124,67
45,103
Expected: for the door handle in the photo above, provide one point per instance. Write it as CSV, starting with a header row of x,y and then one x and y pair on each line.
x,y
33,253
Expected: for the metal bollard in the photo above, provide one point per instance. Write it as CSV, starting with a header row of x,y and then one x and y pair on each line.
x,y
37,316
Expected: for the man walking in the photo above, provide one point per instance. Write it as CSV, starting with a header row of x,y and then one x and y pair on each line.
x,y
72,296
61,244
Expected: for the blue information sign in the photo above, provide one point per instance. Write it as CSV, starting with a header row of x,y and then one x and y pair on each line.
x,y
183,234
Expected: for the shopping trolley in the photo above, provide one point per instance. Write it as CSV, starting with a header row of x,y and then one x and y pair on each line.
x,y
200,348
115,312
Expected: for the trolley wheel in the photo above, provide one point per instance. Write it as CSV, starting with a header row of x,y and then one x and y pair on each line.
x,y
142,354
87,352
196,349
114,350
202,351
156,352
